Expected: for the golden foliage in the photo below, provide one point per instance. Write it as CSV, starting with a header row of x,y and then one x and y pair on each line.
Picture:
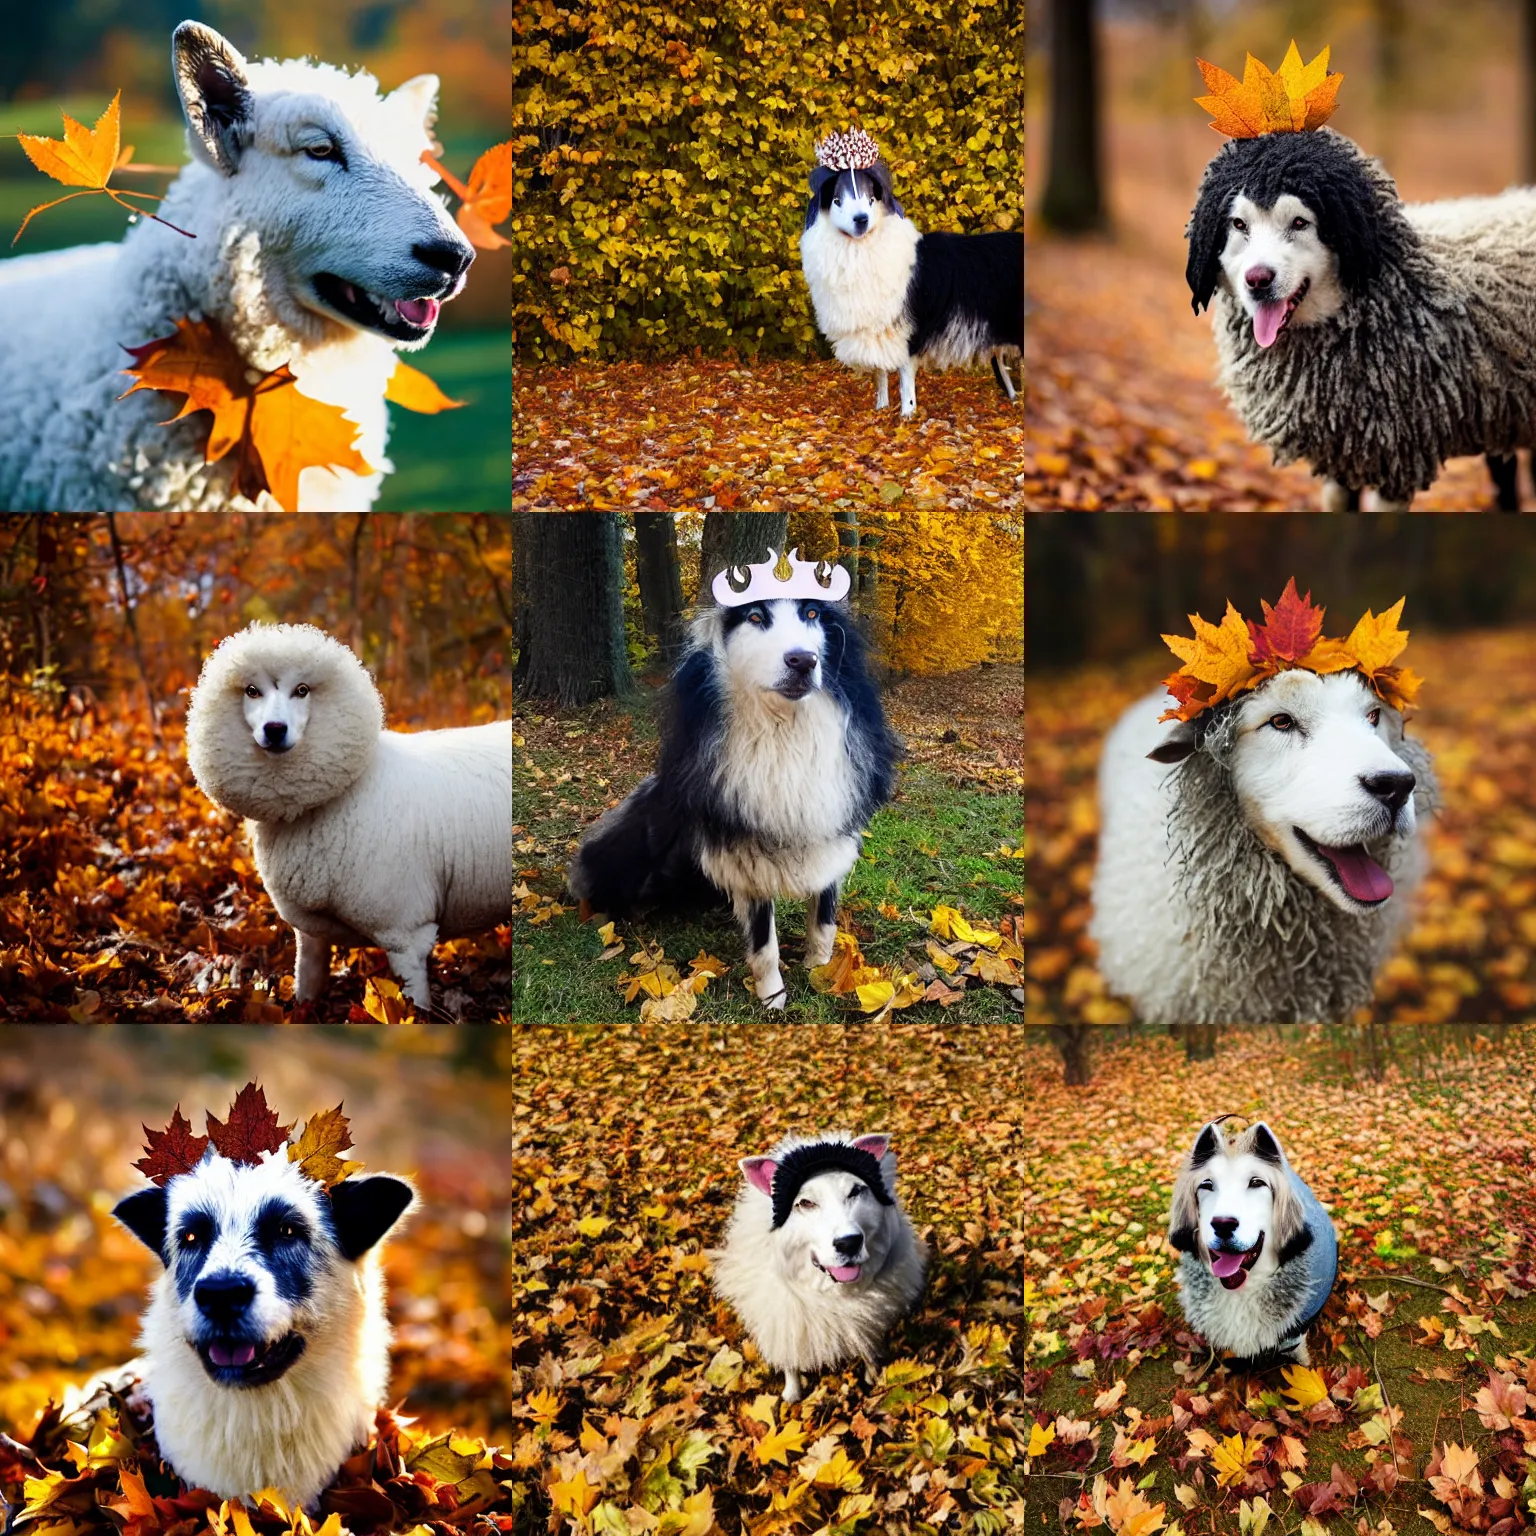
x,y
1293,98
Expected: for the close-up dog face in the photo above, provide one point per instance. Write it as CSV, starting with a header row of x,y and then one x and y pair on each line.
x,y
1317,780
1275,263
276,705
778,646
258,1258
855,202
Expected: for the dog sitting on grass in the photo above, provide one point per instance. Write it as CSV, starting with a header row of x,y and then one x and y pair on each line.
x,y
265,1346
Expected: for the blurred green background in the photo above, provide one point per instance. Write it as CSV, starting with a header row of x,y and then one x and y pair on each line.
x,y
72,55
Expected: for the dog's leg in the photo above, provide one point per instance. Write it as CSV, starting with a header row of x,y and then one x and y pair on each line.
x,y
1302,1357
882,390
762,951
1000,368
311,967
1505,469
793,1389
909,387
820,927
408,954
1339,498
874,1364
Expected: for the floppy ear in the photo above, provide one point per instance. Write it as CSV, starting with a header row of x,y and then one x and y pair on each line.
x,y
365,1209
144,1215
882,173
1184,1213
820,176
215,95
1349,223
1178,744
1207,228
760,1172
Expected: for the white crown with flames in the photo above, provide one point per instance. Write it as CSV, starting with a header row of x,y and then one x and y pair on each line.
x,y
781,576
850,151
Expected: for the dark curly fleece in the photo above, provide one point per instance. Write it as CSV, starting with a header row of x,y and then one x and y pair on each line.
x,y
1434,352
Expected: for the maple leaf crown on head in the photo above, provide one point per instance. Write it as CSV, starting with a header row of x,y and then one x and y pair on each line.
x,y
853,150
250,1131
1291,99
1236,656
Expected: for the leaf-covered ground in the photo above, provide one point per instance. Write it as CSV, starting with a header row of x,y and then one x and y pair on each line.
x,y
641,1405
1419,1412
951,837
1471,952
775,436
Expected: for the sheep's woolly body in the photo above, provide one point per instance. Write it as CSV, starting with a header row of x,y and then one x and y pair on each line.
x,y
1434,357
1199,921
362,836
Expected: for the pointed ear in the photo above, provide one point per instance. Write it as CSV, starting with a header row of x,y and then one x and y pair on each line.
x,y
215,95
1207,1145
1265,1146
416,100
1178,744
144,1215
760,1172
877,1145
365,1209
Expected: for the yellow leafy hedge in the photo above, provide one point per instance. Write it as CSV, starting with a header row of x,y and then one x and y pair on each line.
x,y
660,157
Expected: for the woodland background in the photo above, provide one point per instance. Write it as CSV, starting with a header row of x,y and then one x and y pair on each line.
x,y
74,54
1100,593
1123,411
660,164
599,607
124,893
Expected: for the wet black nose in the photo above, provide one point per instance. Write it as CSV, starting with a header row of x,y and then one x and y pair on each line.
x,y
848,1246
1224,1226
274,733
803,662
1259,277
442,256
861,222
223,1298
1392,788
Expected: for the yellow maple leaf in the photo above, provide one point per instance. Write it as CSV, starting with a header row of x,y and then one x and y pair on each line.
x,y
315,1151
1291,99
1129,1514
1303,1387
674,1007
778,1443
575,1496
1040,1438
1376,641
1231,1456
1459,1463
412,390
544,1405
593,1226
839,1472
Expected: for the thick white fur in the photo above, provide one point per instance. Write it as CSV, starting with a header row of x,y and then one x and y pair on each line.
x,y
799,1318
293,1433
262,231
362,835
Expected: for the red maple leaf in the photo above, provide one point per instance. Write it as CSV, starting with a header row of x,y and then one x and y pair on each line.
x,y
171,1151
1290,628
251,1129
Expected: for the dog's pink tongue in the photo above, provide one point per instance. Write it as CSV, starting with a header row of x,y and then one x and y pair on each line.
x,y
1359,873
1225,1265
1267,320
241,1354
843,1273
418,311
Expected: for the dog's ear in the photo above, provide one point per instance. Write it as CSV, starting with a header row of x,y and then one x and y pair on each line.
x,y
882,173
1207,1145
1265,1146
1207,227
1350,223
1178,744
365,1209
416,100
876,1144
821,176
215,95
144,1215
759,1172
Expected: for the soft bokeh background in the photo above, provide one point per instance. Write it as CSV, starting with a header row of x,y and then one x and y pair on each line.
x,y
72,55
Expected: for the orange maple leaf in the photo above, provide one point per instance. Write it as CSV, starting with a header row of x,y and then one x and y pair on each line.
x,y
487,200
1291,99
1290,629
411,388
1218,656
278,429
86,157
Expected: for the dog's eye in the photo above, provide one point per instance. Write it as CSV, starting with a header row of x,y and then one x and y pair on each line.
x,y
1240,226
287,1231
1374,717
1300,223
1281,722
1207,1185
1257,1183
810,613
806,1205
302,691
190,1239
754,618
252,691
325,150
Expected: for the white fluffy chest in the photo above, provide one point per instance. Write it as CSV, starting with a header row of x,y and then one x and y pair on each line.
x,y
784,768
859,289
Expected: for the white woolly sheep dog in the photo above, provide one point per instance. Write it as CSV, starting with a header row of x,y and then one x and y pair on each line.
x,y
362,836
1249,875
266,1344
820,1261
319,244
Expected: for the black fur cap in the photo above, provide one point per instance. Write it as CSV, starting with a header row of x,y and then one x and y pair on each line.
x,y
1321,167
806,1162
825,180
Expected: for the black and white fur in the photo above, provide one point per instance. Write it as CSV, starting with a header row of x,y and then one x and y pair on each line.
x,y
775,755
265,1346
888,298
1258,1253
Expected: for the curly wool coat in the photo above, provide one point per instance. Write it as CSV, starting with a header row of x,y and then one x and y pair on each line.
x,y
1434,352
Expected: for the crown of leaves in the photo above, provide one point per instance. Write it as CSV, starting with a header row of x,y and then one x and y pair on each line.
x,y
850,151
1291,99
1223,661
250,1131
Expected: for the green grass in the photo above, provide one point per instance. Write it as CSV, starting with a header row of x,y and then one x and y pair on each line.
x,y
932,844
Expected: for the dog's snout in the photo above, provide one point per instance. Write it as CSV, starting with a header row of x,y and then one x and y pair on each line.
x,y
443,256
1224,1226
1259,278
801,662
861,222
1392,788
223,1298
274,733
848,1246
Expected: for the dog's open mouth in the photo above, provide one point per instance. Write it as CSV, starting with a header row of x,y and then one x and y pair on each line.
x,y
1273,315
844,1274
1232,1268
1359,875
399,319
246,1363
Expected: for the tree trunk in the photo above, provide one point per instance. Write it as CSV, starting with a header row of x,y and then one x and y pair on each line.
x,y
1199,1040
1074,198
569,624
738,538
848,540
1072,1042
661,580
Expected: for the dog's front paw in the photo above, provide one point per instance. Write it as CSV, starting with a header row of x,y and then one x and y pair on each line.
x,y
771,992
792,1389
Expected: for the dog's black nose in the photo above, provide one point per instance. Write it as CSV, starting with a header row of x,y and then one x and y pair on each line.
x,y
1224,1226
861,222
443,256
1259,277
803,662
275,733
222,1298
1392,788
848,1247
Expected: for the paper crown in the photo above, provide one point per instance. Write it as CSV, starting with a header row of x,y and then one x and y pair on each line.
x,y
780,576
1291,99
850,151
